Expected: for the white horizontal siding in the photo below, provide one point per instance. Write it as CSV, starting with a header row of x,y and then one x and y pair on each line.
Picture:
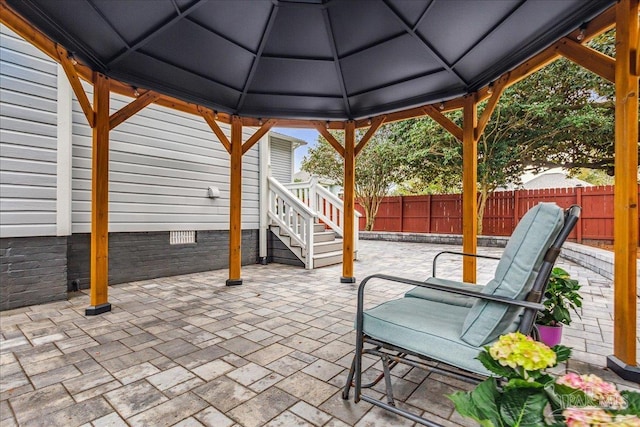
x,y
161,163
281,160
28,117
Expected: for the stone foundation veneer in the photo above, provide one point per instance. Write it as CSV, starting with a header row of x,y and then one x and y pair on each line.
x,y
35,270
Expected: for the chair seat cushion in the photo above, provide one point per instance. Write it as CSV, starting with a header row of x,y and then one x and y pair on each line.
x,y
446,297
425,327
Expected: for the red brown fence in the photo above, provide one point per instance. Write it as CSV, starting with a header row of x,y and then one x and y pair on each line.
x,y
442,213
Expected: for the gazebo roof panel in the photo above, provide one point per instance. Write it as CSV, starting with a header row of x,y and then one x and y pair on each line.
x,y
381,62
355,27
225,19
133,27
320,59
299,32
178,46
270,71
479,19
527,30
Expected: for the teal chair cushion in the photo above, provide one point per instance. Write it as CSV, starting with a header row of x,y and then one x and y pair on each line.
x,y
515,274
445,297
425,327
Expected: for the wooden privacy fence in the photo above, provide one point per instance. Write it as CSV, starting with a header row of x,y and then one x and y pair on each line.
x,y
442,213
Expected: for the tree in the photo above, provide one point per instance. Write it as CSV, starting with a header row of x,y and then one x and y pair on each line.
x,y
378,167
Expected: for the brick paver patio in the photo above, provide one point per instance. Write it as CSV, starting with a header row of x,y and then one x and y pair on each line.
x,y
188,351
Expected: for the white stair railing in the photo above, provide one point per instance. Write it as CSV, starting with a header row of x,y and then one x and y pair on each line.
x,y
294,217
328,206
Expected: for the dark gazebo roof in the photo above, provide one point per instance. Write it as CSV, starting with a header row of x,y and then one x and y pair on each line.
x,y
311,59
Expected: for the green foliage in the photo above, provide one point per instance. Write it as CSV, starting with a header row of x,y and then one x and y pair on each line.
x,y
520,398
560,296
531,396
378,166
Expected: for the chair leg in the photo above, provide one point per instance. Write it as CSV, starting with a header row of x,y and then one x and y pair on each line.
x,y
387,380
347,386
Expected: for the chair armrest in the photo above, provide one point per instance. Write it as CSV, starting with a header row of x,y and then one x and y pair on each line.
x,y
435,258
494,298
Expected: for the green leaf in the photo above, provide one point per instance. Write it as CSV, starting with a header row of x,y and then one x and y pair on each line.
x,y
523,407
563,353
518,383
484,397
480,403
633,403
494,366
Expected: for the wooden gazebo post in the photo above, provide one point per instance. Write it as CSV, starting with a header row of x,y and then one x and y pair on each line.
x,y
100,199
625,233
235,204
349,203
469,188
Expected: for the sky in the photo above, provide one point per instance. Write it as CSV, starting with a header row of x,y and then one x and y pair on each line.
x,y
308,135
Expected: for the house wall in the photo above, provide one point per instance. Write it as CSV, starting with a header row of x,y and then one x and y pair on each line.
x,y
281,159
28,139
161,164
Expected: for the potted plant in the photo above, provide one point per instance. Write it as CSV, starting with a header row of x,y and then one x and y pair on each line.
x,y
524,394
560,297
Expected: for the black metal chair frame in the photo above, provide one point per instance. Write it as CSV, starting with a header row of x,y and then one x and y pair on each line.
x,y
392,355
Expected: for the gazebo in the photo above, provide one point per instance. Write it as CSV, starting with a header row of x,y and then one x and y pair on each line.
x,y
337,65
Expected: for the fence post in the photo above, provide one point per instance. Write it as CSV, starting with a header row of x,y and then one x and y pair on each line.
x,y
429,213
579,223
401,214
516,202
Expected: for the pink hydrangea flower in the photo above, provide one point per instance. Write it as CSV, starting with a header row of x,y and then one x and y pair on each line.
x,y
596,388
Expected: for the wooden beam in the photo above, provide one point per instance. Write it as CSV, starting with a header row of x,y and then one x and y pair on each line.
x,y
132,108
100,200
625,225
320,126
349,203
469,189
444,121
76,85
591,59
375,125
235,204
210,118
497,90
258,134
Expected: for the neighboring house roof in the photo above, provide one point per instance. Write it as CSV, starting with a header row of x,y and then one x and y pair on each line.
x,y
295,141
554,180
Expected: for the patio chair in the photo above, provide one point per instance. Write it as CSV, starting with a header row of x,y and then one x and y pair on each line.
x,y
441,325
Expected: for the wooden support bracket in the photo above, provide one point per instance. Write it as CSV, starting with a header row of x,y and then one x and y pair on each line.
x,y
444,121
209,117
132,108
320,126
259,134
375,125
76,85
498,88
591,59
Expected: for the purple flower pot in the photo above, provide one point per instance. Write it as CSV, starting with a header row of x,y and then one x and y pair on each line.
x,y
550,335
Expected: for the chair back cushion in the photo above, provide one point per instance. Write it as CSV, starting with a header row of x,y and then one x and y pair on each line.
x,y
515,274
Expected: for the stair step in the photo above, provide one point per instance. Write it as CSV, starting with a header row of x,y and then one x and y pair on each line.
x,y
325,236
324,247
326,259
318,228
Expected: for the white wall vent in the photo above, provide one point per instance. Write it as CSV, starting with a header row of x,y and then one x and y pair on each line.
x,y
182,237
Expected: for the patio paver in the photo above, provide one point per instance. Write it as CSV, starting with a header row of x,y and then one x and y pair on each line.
x,y
189,351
